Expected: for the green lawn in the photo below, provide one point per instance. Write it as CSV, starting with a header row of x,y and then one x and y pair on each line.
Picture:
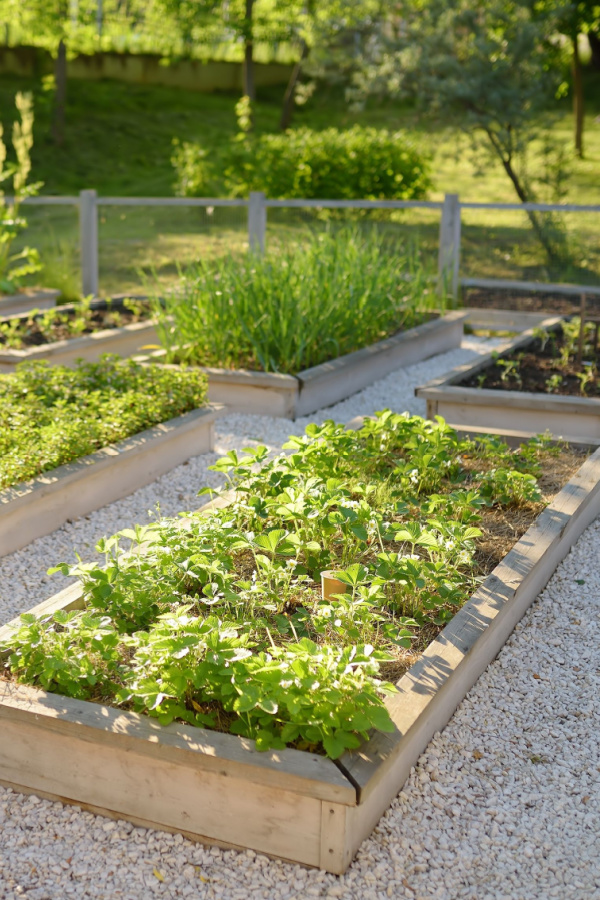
x,y
119,141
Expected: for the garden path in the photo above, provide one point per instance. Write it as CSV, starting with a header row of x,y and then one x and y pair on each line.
x,y
503,805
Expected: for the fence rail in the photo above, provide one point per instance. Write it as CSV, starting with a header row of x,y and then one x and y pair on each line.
x,y
449,243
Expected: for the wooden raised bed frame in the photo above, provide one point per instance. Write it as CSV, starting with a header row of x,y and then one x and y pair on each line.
x,y
124,341
31,298
575,419
298,806
33,508
292,396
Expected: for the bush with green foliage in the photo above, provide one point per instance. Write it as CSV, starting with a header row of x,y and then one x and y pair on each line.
x,y
356,164
293,308
50,415
218,619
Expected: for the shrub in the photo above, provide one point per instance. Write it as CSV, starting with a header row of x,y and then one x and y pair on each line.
x,y
359,163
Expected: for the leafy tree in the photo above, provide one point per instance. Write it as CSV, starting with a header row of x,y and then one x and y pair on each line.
x,y
321,30
484,66
572,18
52,21
239,18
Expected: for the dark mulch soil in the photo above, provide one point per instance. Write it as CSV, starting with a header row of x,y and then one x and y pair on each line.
x,y
553,304
34,333
536,366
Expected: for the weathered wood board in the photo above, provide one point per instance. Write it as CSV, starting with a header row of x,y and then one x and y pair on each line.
x,y
27,300
124,341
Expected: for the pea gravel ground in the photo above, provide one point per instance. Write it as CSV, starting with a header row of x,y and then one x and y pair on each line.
x,y
503,805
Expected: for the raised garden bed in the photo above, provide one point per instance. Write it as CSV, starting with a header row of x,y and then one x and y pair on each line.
x,y
291,803
46,419
26,300
291,396
77,331
530,390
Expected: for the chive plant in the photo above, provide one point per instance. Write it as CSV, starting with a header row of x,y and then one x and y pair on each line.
x,y
294,308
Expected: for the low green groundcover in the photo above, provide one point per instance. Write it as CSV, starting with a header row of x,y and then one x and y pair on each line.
x,y
50,415
217,618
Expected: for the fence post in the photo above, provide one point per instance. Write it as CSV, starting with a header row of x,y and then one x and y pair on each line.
x,y
257,221
449,250
88,242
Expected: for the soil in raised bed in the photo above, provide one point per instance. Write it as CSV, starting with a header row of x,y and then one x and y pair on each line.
x,y
540,370
39,329
524,301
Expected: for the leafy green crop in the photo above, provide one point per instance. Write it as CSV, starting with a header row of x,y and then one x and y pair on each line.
x,y
218,620
293,309
50,415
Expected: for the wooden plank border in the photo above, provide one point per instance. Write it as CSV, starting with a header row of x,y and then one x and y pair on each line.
x,y
297,806
432,689
33,508
16,304
124,341
574,419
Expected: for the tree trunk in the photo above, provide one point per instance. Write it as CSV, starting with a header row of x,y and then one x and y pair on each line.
x,y
594,40
290,92
577,99
552,251
58,123
249,89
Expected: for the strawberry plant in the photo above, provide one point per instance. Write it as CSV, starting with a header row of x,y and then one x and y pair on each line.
x,y
217,619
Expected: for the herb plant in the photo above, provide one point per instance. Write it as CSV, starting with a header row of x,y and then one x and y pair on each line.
x,y
15,266
56,323
217,619
50,415
293,309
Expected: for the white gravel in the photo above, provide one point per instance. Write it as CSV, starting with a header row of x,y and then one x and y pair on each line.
x,y
504,805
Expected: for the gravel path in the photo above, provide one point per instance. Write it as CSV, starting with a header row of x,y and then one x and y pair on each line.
x,y
504,805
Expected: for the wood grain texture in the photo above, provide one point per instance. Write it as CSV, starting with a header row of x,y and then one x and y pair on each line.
x,y
124,731
335,854
289,804
216,803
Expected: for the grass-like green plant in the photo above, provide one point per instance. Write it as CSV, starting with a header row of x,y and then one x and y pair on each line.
x,y
295,308
50,415
217,620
